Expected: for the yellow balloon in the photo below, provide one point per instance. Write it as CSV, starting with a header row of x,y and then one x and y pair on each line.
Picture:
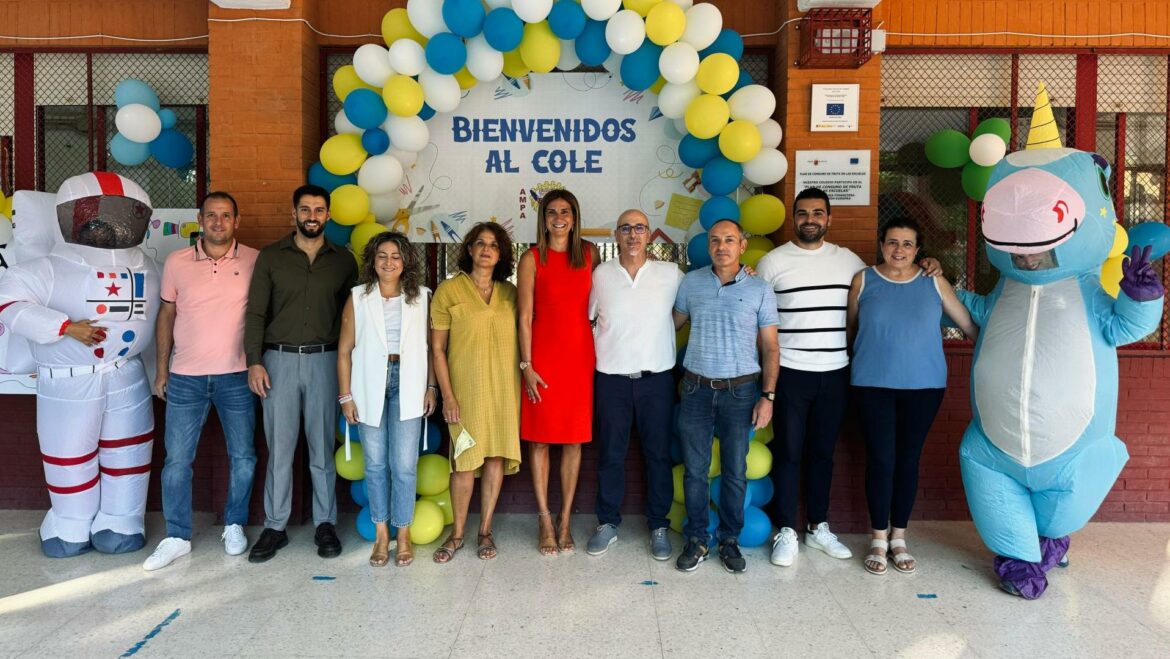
x,y
682,335
514,66
1111,275
5,206
346,79
433,473
443,500
761,214
369,219
343,154
716,466
355,469
643,7
362,234
396,25
760,243
759,460
740,141
718,73
752,257
764,435
706,116
349,204
665,23
540,48
427,524
466,80
403,95
677,515
1120,241
658,85
676,473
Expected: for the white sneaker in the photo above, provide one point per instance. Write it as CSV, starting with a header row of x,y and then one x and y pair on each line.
x,y
234,540
784,547
166,553
822,538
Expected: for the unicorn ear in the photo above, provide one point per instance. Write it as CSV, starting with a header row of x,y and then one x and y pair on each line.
x,y
1042,134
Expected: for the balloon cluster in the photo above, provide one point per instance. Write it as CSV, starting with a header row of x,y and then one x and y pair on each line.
x,y
976,155
146,129
432,509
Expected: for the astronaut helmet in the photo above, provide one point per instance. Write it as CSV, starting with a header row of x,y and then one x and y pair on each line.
x,y
104,210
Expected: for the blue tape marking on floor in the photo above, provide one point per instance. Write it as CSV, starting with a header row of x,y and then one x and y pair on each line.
x,y
321,577
927,596
154,632
649,583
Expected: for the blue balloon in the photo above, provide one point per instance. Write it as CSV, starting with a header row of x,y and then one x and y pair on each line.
x,y
354,433
745,79
446,54
1155,234
760,491
338,234
168,118
591,47
463,17
431,434
128,152
757,528
426,112
365,108
695,152
697,254
718,208
131,91
318,175
503,29
375,141
172,149
365,525
728,42
717,485
639,69
357,490
721,176
566,19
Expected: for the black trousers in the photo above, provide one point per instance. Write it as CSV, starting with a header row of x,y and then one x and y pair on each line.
x,y
895,423
810,406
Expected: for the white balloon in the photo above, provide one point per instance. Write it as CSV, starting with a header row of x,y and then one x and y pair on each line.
x,y
704,21
407,158
601,10
685,4
380,174
987,149
770,133
613,63
754,103
625,31
679,62
138,123
5,231
385,206
484,63
371,64
767,168
408,133
342,124
441,92
532,11
569,59
674,98
426,16
407,57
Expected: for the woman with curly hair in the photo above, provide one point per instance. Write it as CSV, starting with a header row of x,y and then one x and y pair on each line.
x,y
387,384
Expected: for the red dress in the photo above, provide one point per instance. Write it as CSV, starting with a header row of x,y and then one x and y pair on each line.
x,y
562,353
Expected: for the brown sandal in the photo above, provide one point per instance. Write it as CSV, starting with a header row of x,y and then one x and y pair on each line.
x,y
403,557
565,536
546,543
446,551
380,556
487,546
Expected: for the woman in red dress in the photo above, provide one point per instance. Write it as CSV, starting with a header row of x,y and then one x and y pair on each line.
x,y
556,356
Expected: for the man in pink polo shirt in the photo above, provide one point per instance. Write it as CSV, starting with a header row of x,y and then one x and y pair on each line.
x,y
204,296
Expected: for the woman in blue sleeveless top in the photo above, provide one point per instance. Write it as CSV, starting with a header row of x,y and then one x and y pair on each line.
x,y
899,375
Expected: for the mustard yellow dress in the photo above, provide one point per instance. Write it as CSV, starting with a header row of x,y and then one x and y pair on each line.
x,y
483,359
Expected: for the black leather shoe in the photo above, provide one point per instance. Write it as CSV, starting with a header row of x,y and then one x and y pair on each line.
x,y
328,545
266,547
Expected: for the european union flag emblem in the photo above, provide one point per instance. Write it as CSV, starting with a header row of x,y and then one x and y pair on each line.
x,y
855,161
835,109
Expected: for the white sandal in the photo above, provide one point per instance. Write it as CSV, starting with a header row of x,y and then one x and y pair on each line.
x,y
901,559
877,557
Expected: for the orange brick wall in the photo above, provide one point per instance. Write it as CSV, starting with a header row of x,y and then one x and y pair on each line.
x,y
143,19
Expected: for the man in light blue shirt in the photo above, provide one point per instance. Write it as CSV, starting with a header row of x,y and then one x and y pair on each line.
x,y
732,360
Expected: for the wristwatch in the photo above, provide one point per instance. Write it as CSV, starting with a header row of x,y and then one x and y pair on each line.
x,y
524,365
770,395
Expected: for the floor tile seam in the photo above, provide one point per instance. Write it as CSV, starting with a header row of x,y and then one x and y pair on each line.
x,y
864,639
44,638
467,612
1163,634
654,598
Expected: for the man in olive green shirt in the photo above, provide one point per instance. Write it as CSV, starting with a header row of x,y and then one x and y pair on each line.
x,y
299,286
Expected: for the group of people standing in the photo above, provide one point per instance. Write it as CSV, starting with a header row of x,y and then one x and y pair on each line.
x,y
577,351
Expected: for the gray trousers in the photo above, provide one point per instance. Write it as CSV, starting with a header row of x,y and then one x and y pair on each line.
x,y
302,385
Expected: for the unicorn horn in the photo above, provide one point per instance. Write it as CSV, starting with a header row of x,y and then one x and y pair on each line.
x,y
1042,134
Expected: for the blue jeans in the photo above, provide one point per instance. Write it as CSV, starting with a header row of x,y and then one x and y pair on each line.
x,y
704,414
391,454
188,400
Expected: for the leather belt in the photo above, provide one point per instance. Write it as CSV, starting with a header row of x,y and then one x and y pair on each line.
x,y
719,383
301,350
393,358
636,376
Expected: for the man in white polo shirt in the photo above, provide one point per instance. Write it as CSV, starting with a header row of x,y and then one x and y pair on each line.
x,y
631,302
204,295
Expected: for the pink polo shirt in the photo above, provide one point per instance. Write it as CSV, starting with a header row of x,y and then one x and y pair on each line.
x,y
210,298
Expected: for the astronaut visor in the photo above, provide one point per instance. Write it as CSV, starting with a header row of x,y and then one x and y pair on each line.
x,y
108,222
1033,262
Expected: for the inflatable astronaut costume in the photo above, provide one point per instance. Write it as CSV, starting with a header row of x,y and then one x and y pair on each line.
x,y
94,417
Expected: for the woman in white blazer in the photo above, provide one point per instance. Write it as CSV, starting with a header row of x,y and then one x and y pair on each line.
x,y
386,382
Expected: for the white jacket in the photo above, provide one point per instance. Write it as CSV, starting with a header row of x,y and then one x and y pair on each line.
x,y
367,380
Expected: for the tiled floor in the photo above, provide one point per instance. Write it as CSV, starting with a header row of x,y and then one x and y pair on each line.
x,y
1114,601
